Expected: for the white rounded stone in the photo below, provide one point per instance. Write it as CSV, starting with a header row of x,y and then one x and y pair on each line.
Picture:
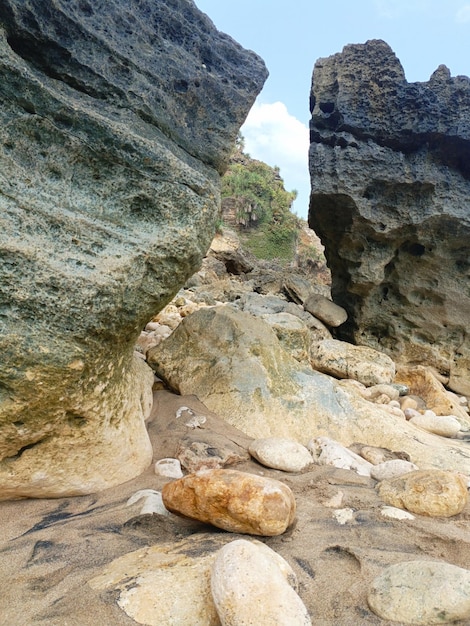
x,y
393,513
171,468
248,587
152,502
392,469
443,425
326,451
422,593
283,454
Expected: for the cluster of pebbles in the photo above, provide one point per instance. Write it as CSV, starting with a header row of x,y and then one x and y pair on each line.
x,y
254,505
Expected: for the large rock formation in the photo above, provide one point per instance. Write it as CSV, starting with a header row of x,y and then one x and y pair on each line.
x,y
390,170
234,363
116,119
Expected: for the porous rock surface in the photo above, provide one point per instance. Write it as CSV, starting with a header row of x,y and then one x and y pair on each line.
x,y
115,120
389,165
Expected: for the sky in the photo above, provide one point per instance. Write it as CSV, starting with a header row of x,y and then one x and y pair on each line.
x,y
291,36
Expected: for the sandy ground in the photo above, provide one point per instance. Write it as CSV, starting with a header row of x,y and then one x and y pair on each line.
x,y
50,549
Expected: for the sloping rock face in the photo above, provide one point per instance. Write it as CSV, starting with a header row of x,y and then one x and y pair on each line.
x,y
235,364
390,171
116,119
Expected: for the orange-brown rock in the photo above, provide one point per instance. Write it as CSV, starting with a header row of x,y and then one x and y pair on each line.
x,y
235,501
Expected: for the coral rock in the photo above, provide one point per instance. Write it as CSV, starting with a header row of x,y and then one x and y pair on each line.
x,y
390,200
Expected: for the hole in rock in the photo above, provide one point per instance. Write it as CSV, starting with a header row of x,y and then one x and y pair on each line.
x,y
415,249
181,86
327,107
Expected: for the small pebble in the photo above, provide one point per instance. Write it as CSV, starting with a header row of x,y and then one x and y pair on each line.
x,y
403,390
343,516
393,513
171,468
408,403
153,502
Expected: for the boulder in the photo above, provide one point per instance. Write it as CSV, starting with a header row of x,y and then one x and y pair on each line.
x,y
421,592
235,364
344,360
427,492
326,451
392,469
325,310
163,584
390,200
112,140
247,583
235,501
293,334
282,454
443,425
226,248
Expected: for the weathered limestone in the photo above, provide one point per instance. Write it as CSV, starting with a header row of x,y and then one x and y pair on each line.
x,y
163,584
427,492
344,360
247,585
421,592
241,372
390,200
111,142
421,382
232,500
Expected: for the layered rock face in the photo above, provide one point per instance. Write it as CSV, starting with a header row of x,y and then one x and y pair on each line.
x,y
116,120
390,171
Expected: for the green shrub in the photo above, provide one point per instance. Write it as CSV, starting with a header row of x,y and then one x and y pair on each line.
x,y
269,228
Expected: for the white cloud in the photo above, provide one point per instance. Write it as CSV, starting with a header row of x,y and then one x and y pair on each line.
x,y
394,9
388,9
463,14
276,137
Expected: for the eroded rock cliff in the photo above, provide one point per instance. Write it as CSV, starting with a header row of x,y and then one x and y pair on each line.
x,y
116,119
390,171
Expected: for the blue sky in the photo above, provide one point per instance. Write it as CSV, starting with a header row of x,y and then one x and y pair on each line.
x,y
291,36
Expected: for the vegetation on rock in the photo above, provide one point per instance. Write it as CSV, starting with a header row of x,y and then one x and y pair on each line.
x,y
255,201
